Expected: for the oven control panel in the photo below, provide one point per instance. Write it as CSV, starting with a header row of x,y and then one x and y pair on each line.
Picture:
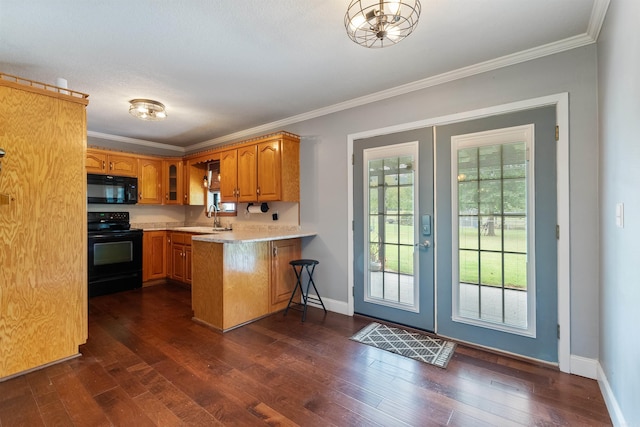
x,y
107,216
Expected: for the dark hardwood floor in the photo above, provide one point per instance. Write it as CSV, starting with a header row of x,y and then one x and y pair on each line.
x,y
146,363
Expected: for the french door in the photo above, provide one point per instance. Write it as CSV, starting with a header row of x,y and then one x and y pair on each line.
x,y
496,232
393,205
492,233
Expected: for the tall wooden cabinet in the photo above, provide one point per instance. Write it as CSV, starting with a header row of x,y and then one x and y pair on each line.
x,y
43,224
150,181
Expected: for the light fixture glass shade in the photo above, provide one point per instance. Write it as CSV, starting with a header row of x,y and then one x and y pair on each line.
x,y
381,23
147,109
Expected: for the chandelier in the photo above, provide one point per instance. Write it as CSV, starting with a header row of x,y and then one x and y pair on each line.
x,y
147,109
381,23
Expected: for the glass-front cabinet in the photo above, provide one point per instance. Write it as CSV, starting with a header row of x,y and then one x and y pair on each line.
x,y
173,182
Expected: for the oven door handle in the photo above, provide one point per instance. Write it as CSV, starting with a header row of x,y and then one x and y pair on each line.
x,y
110,236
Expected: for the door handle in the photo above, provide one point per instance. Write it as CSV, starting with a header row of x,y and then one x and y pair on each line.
x,y
425,244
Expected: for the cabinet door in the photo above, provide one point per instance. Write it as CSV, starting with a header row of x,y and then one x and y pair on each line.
x,y
187,264
228,175
247,174
283,279
154,258
169,256
177,262
122,165
96,162
172,171
150,181
269,171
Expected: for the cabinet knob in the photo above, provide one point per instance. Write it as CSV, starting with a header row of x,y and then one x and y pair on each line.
x,y
258,190
110,165
166,196
104,164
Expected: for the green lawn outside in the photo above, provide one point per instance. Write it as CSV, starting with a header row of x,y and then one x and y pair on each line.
x,y
515,268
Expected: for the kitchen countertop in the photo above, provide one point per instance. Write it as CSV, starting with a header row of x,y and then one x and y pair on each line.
x,y
249,236
240,235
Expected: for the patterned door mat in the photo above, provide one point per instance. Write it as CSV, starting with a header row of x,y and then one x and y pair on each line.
x,y
410,344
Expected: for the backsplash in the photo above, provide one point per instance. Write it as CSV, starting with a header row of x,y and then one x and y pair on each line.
x,y
162,216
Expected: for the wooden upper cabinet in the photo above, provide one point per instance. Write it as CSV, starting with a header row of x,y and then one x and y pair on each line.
x,y
102,162
96,162
247,189
269,171
122,165
228,176
173,185
150,181
266,171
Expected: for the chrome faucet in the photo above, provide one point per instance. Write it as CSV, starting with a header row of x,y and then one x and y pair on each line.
x,y
216,222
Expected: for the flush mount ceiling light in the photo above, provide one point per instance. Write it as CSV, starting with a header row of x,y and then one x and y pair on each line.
x,y
381,23
147,109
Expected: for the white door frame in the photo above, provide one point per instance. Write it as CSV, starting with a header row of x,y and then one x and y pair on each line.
x,y
561,101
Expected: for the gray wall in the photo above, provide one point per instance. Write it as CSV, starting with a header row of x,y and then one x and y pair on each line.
x,y
324,167
619,97
323,158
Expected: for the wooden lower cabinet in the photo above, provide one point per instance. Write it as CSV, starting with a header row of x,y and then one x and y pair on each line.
x,y
283,279
180,257
154,257
236,283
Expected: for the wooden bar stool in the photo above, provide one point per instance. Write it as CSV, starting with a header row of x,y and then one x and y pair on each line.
x,y
298,265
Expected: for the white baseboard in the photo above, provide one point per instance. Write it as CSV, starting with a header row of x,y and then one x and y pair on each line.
x,y
584,367
617,418
336,306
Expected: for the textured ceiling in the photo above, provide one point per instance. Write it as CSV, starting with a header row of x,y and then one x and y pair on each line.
x,y
222,67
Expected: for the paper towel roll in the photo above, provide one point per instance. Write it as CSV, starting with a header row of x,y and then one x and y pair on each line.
x,y
254,209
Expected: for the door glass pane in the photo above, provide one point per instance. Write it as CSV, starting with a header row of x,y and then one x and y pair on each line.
x,y
492,202
391,193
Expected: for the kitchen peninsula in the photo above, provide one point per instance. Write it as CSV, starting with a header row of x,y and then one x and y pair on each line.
x,y
241,276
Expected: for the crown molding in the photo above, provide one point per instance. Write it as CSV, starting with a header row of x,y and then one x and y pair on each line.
x,y
136,141
482,67
598,13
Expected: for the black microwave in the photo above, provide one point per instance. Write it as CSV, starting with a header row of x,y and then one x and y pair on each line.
x,y
112,189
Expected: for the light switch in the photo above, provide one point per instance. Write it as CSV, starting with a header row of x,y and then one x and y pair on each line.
x,y
620,215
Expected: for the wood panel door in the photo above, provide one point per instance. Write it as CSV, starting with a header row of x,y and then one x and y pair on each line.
x,y
228,175
247,174
43,227
150,181
269,172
